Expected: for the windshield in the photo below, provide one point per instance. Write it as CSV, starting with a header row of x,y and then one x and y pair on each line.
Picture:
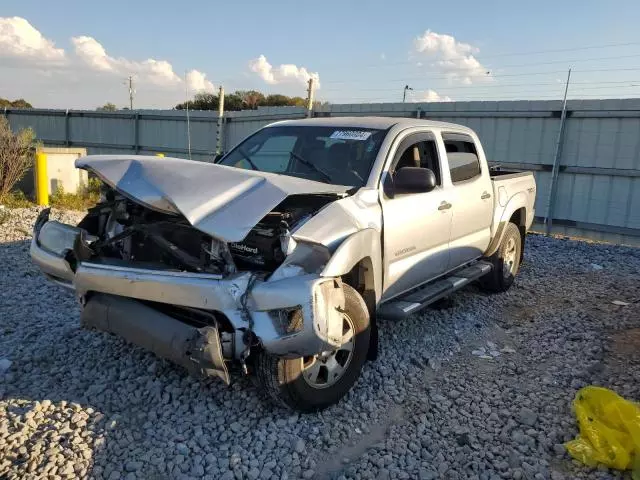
x,y
337,155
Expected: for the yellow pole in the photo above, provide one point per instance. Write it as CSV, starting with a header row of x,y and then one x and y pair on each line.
x,y
42,180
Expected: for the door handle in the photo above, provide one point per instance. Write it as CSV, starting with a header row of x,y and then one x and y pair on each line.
x,y
485,195
444,206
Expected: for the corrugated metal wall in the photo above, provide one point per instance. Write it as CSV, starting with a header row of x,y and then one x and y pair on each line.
x,y
598,187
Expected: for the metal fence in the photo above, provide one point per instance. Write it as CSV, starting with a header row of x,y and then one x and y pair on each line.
x,y
597,190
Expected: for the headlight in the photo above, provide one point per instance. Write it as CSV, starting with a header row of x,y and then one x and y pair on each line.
x,y
57,237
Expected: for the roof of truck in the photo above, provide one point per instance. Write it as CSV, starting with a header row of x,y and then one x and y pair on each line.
x,y
369,122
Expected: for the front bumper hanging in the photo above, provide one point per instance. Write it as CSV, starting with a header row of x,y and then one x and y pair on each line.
x,y
112,294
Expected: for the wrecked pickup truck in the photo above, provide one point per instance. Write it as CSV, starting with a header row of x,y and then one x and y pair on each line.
x,y
283,254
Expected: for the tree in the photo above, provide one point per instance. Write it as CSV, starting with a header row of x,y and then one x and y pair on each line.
x,y
298,102
251,99
277,100
107,107
19,103
241,100
16,155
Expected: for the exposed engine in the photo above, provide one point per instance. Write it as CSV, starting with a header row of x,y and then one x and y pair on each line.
x,y
127,231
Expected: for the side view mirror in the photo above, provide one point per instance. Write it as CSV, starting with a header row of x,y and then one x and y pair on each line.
x,y
414,180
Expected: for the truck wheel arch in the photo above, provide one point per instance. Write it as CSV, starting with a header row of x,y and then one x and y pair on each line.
x,y
358,261
514,212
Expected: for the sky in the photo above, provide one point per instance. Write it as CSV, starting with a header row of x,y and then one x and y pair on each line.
x,y
78,54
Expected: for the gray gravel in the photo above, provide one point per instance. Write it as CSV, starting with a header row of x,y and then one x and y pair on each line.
x,y
75,403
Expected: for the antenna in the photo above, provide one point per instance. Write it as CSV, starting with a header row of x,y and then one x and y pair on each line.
x,y
186,94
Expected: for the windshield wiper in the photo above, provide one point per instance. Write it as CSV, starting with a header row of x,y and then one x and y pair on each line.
x,y
245,155
313,166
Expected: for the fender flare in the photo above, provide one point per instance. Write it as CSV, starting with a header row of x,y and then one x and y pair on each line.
x,y
515,203
364,244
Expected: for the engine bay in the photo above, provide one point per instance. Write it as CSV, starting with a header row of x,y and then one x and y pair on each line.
x,y
130,232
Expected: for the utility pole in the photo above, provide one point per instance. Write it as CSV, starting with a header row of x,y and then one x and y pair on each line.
x,y
548,220
220,118
404,93
310,98
186,96
131,91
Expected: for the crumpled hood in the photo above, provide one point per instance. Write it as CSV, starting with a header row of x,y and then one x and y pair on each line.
x,y
223,202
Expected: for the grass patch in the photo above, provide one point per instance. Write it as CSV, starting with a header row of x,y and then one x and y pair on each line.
x,y
16,199
85,198
4,216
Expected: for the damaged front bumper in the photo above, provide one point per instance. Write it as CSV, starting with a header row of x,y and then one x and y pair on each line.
x,y
295,316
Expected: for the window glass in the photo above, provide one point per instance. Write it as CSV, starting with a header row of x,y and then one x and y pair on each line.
x,y
464,163
338,155
273,155
422,154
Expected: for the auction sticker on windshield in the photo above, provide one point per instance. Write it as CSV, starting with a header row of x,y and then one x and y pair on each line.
x,y
350,135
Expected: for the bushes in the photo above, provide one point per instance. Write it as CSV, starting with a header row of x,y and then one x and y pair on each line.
x,y
16,156
16,199
87,197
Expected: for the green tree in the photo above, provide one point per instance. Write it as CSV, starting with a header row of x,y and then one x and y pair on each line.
x,y
107,107
251,99
277,100
298,102
241,100
19,103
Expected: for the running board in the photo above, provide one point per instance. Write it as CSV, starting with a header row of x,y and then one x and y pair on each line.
x,y
401,307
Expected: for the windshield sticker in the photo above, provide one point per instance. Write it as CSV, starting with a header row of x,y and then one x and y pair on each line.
x,y
350,135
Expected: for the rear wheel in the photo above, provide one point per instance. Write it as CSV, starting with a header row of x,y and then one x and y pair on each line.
x,y
506,261
313,383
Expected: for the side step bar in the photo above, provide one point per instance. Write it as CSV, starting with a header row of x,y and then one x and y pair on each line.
x,y
401,307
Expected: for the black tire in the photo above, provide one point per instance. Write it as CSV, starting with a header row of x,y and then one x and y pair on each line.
x,y
282,378
506,261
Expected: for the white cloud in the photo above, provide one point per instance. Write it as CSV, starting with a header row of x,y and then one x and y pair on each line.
x,y
432,96
93,54
454,58
285,73
383,57
89,50
197,82
20,40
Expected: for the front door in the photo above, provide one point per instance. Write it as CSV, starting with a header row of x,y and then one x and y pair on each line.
x,y
416,225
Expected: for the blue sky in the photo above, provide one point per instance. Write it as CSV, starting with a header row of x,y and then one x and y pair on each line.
x,y
358,51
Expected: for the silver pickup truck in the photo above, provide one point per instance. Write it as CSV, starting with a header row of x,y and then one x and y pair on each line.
x,y
282,254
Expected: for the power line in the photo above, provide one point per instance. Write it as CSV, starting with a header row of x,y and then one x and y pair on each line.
x,y
509,54
447,77
483,86
506,96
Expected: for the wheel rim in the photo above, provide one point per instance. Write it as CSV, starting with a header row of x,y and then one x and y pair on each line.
x,y
327,368
509,258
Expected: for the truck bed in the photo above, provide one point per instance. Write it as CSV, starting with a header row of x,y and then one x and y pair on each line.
x,y
503,173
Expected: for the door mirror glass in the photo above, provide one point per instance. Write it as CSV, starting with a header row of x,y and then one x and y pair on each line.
x,y
413,180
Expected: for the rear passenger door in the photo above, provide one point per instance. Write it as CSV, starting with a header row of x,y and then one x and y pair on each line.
x,y
472,205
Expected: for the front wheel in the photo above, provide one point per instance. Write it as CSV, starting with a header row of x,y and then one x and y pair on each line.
x,y
506,261
313,383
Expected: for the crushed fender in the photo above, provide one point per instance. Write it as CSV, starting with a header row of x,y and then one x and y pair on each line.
x,y
609,430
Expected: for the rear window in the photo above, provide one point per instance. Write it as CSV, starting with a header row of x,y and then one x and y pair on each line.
x,y
464,163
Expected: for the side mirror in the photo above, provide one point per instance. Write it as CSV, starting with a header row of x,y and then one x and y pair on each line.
x,y
414,180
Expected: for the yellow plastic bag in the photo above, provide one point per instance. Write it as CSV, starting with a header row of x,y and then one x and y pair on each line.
x,y
609,430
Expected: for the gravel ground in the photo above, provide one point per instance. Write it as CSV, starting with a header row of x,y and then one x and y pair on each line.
x,y
75,403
